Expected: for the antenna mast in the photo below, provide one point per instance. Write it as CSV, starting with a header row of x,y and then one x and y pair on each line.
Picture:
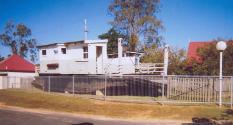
x,y
85,29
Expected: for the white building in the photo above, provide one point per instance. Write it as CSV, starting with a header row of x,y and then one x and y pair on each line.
x,y
83,57
16,66
16,72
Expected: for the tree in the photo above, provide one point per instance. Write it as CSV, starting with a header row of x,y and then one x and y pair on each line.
x,y
177,61
209,63
112,35
137,20
18,39
1,58
152,54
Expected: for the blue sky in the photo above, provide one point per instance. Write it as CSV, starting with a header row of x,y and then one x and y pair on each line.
x,y
62,20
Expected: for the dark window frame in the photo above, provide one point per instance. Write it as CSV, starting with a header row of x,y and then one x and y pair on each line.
x,y
85,52
63,50
44,52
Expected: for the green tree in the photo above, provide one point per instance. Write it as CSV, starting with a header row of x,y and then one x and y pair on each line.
x,y
152,54
112,35
177,61
209,60
137,20
1,58
18,38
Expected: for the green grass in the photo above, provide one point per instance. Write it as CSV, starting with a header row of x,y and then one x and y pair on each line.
x,y
58,102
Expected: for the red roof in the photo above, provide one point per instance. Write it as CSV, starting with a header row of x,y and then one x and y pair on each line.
x,y
193,47
16,63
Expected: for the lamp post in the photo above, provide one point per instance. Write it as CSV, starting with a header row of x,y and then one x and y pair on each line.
x,y
221,46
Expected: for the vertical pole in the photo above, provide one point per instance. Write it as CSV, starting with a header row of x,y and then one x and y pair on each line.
x,y
85,29
165,67
49,84
163,87
105,86
43,86
231,90
220,81
119,55
73,85
165,60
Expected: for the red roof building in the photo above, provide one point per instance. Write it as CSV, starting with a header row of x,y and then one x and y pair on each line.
x,y
16,63
192,49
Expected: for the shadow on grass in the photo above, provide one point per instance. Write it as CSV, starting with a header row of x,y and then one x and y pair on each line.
x,y
85,123
199,121
229,111
209,121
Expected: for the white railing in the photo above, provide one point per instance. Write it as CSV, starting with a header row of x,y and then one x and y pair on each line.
x,y
150,68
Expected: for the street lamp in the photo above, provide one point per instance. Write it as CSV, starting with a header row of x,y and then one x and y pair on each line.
x,y
221,46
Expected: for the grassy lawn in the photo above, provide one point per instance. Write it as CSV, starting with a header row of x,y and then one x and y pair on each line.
x,y
57,102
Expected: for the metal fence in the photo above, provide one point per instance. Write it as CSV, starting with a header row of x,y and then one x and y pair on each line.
x,y
140,88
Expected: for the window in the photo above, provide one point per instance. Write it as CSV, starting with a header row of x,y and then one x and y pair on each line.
x,y
85,52
63,50
52,66
43,52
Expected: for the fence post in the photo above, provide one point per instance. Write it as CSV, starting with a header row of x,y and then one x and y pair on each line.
x,y
105,86
73,85
163,87
49,84
7,84
44,86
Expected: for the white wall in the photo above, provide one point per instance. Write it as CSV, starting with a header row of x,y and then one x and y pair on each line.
x,y
15,82
126,65
72,52
21,74
73,67
73,62
50,55
92,58
67,62
1,83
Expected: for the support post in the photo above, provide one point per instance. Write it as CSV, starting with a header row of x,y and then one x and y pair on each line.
x,y
163,87
49,84
221,46
120,55
231,90
165,60
220,81
165,67
73,85
105,86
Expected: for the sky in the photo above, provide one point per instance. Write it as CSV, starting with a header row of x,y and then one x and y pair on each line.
x,y
54,21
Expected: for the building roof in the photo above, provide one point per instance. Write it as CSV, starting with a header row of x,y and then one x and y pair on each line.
x,y
75,42
62,43
193,47
16,63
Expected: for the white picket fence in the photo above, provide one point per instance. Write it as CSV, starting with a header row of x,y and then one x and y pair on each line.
x,y
150,68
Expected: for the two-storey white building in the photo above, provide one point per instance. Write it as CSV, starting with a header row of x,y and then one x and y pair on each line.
x,y
83,57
